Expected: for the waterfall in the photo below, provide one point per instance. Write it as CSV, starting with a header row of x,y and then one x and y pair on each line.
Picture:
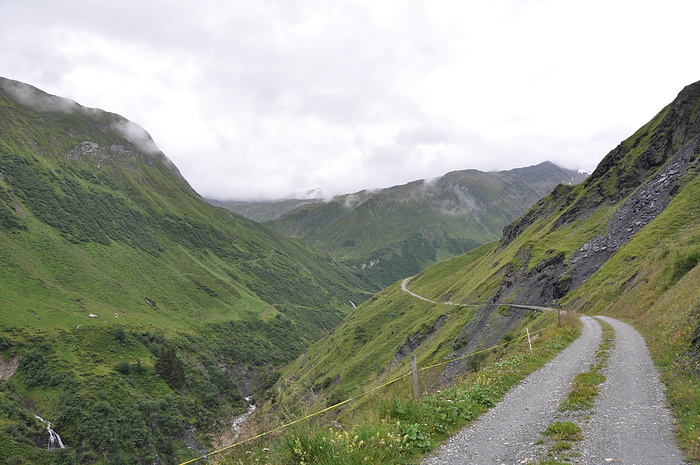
x,y
54,438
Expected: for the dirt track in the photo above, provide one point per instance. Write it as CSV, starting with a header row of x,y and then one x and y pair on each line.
x,y
630,423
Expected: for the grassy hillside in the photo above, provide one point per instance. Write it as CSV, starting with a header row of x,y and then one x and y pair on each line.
x,y
135,314
624,243
392,233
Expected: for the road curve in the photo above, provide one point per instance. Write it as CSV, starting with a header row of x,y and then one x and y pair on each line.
x,y
504,435
404,287
631,423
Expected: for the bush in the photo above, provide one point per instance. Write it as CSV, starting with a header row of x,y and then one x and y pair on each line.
x,y
120,335
64,457
123,367
5,343
270,378
337,396
505,310
170,367
33,365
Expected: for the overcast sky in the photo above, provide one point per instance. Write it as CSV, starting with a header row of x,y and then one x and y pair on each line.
x,y
262,98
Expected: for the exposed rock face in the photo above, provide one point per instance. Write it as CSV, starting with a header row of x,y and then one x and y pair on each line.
x,y
488,328
8,367
640,209
641,176
418,338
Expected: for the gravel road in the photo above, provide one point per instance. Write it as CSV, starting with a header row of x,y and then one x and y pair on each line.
x,y
504,435
629,425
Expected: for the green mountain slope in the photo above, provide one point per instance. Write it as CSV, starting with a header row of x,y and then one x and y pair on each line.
x,y
109,260
626,242
392,233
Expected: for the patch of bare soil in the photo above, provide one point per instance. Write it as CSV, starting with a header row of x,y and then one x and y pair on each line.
x,y
8,367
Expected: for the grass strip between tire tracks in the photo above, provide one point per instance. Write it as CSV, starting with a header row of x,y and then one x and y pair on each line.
x,y
577,406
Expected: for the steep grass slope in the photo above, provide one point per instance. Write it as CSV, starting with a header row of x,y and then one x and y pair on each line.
x,y
109,261
392,233
626,242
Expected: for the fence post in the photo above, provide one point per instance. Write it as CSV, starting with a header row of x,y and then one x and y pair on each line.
x,y
528,339
414,371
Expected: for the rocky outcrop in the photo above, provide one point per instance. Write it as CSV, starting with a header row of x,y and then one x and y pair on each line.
x,y
639,179
640,209
418,338
8,367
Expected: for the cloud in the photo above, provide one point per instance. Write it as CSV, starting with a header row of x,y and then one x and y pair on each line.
x,y
137,136
38,100
261,99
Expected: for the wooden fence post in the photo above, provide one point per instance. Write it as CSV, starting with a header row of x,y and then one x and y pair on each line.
x,y
414,371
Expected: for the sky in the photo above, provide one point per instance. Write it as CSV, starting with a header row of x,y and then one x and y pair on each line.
x,y
259,99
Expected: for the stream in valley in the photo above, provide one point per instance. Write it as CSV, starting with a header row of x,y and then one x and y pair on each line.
x,y
237,424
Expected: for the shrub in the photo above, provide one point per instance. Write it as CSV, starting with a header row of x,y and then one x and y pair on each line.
x,y
123,367
33,365
269,379
5,343
120,335
505,310
170,367
64,457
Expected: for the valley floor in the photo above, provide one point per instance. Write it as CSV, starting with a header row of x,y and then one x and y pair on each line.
x,y
629,424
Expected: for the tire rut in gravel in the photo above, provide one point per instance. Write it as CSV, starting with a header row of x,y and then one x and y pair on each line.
x,y
506,433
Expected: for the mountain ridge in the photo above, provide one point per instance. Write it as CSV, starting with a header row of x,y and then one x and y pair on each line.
x,y
388,234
